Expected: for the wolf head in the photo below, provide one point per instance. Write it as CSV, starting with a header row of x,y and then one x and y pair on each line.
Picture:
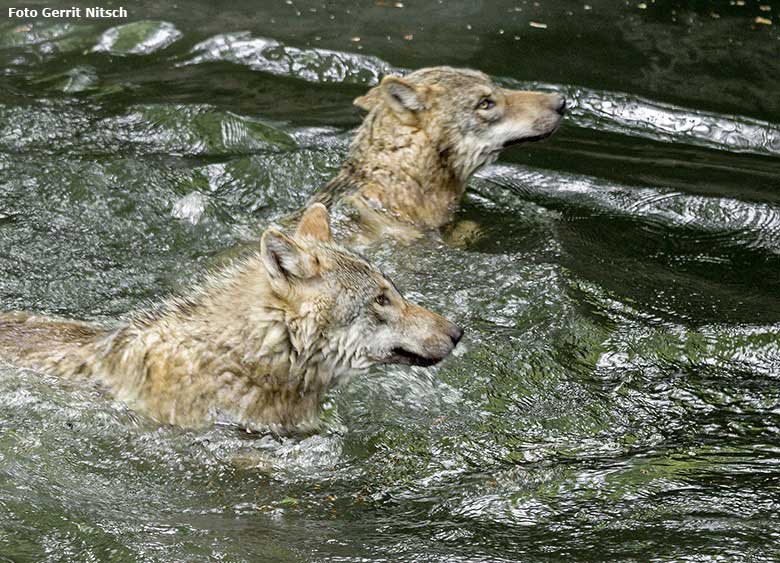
x,y
340,301
467,116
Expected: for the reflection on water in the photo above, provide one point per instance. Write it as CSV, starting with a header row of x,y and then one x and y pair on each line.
x,y
616,397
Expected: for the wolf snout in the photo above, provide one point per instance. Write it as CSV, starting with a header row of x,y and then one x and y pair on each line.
x,y
456,333
443,341
559,104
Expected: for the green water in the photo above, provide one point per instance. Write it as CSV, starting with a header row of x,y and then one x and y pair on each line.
x,y
617,396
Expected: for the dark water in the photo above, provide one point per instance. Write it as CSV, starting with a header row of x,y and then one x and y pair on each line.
x,y
618,395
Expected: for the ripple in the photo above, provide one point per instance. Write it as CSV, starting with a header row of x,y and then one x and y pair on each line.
x,y
627,114
600,110
726,220
274,57
635,116
81,78
148,129
138,38
46,38
194,129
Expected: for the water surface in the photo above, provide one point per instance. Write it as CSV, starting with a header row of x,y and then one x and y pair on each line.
x,y
617,397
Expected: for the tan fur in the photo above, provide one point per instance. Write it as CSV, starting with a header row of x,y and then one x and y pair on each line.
x,y
424,136
257,344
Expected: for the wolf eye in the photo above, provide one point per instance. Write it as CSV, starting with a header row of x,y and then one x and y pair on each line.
x,y
486,103
381,300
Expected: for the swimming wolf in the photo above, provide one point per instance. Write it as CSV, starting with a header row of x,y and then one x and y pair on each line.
x,y
257,344
425,134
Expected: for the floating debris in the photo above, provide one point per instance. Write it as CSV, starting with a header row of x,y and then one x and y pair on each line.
x,y
409,36
762,21
538,25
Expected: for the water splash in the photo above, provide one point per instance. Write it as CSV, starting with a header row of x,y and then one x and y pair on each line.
x,y
190,207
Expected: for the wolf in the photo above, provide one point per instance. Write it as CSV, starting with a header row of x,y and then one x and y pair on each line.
x,y
424,135
257,344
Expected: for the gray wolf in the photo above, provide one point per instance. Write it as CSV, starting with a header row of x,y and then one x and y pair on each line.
x,y
257,344
424,136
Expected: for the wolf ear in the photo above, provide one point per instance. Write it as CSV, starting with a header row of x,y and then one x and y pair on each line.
x,y
315,223
401,95
369,100
283,259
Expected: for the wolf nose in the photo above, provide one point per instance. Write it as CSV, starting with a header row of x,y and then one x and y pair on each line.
x,y
560,105
456,335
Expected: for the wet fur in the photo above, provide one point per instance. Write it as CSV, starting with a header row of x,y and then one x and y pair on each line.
x,y
257,344
421,140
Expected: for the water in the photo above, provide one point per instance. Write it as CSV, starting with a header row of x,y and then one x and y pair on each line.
x,y
617,397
